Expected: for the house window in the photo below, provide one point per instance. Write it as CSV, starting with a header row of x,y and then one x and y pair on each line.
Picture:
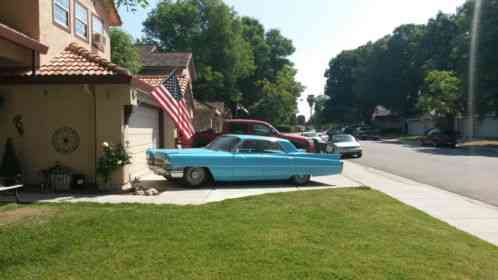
x,y
81,21
98,25
61,12
98,37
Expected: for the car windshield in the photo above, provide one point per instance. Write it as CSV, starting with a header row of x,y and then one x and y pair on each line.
x,y
342,138
224,143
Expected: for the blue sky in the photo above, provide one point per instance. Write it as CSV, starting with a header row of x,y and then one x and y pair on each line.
x,y
320,29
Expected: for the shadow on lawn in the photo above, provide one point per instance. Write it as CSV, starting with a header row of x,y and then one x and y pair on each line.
x,y
164,185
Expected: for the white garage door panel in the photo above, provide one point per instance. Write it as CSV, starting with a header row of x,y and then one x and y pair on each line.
x,y
143,133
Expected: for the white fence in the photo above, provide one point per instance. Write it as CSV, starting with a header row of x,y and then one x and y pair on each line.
x,y
482,128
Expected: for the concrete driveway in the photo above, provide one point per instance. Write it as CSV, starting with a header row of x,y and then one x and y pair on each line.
x,y
178,195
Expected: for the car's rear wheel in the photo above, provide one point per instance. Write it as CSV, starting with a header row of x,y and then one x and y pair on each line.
x,y
195,176
301,180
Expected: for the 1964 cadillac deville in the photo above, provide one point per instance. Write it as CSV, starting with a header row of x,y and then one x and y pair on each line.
x,y
243,158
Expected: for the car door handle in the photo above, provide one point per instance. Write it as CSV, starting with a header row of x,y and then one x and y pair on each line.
x,y
290,157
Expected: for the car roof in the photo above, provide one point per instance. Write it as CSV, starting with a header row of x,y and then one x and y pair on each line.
x,y
257,137
246,121
342,135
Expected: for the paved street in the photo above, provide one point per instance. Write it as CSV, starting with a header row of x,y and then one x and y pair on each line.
x,y
471,173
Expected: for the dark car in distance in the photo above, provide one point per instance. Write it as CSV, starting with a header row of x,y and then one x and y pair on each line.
x,y
439,138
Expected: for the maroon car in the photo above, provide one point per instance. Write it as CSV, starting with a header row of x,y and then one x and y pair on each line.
x,y
253,127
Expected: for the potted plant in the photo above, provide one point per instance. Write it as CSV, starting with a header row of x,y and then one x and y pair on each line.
x,y
58,177
113,158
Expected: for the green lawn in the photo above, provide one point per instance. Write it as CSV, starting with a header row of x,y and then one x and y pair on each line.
x,y
326,234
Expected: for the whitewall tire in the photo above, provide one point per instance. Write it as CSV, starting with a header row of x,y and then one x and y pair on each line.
x,y
195,176
301,180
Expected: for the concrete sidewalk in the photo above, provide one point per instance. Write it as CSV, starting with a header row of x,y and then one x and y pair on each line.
x,y
175,194
472,216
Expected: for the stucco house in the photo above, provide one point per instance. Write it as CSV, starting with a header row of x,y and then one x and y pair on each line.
x,y
209,115
57,84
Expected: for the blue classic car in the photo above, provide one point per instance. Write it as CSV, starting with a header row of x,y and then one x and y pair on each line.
x,y
242,158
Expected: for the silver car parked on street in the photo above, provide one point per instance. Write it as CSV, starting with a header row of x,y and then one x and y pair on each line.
x,y
344,144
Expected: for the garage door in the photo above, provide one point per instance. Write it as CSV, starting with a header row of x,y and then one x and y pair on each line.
x,y
143,133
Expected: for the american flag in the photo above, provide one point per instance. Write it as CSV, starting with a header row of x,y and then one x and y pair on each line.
x,y
169,96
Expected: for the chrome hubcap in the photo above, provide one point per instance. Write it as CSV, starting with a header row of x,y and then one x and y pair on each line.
x,y
301,178
196,176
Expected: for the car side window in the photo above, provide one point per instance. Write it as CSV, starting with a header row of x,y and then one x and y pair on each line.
x,y
272,148
260,147
238,128
247,147
261,130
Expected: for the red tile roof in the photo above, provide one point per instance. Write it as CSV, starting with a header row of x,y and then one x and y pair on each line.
x,y
184,82
156,80
152,80
151,57
78,61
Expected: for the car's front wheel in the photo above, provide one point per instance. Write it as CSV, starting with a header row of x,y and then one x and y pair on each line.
x,y
195,176
301,180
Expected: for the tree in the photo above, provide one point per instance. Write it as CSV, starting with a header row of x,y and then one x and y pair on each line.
x,y
270,51
254,33
123,51
237,60
301,120
213,33
132,4
403,78
339,88
311,102
280,49
319,117
279,102
442,95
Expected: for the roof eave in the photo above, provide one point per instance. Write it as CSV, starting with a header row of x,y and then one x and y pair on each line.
x,y
113,14
136,82
21,39
64,79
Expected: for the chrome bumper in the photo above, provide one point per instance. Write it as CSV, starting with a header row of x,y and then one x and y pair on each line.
x,y
164,169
